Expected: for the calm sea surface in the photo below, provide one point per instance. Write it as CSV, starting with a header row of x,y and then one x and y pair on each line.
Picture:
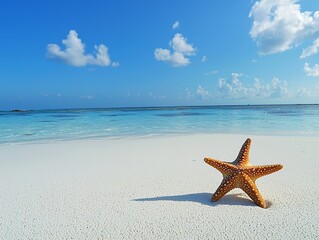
x,y
103,123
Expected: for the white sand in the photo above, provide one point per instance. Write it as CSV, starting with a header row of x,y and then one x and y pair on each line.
x,y
155,188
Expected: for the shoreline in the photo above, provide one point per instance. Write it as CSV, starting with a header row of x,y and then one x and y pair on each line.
x,y
155,188
157,135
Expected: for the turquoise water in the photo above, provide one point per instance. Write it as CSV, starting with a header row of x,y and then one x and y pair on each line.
x,y
102,123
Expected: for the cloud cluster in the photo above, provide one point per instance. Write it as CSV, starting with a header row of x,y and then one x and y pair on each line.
x,y
74,53
203,93
279,25
236,89
311,71
178,56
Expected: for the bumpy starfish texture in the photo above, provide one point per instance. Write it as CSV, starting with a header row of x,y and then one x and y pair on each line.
x,y
240,174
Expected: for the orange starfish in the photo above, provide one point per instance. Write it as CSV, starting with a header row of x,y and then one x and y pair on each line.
x,y
239,174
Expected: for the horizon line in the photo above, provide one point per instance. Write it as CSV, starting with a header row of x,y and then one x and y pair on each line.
x,y
160,107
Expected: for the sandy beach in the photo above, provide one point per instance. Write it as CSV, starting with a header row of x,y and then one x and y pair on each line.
x,y
155,187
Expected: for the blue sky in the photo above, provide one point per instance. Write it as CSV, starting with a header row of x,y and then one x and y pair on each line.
x,y
70,54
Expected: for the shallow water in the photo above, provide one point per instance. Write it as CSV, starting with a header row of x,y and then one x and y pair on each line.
x,y
102,123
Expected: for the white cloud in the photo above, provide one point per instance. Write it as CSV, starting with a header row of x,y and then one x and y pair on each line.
x,y
102,56
203,93
74,52
311,71
179,44
233,88
181,50
312,49
175,25
279,25
236,89
204,59
162,54
176,59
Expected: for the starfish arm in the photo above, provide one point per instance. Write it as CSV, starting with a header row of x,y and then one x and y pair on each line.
x,y
226,185
223,167
243,155
256,172
249,187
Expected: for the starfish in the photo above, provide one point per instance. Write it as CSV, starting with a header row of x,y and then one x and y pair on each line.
x,y
240,174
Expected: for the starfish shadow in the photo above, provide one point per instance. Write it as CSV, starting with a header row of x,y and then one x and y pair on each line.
x,y
204,199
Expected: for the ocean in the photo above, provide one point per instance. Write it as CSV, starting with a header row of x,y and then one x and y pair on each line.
x,y
70,124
